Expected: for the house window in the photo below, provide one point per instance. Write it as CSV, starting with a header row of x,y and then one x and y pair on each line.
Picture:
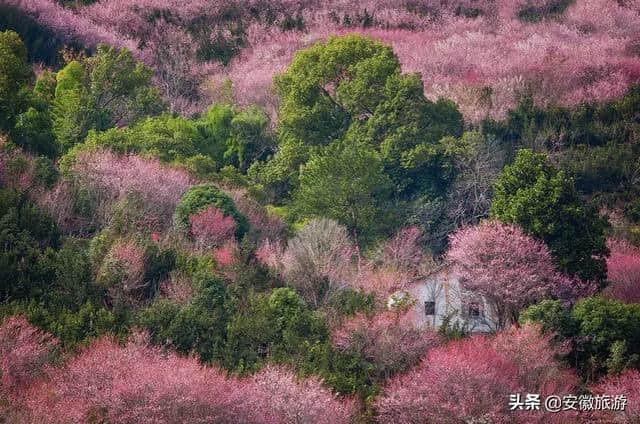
x,y
475,310
429,307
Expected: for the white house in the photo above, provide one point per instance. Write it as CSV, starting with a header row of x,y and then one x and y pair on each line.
x,y
439,295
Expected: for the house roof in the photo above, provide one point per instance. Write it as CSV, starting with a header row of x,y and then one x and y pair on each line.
x,y
445,265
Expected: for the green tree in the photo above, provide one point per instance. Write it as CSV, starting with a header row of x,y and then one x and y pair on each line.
x,y
330,84
33,129
33,132
278,327
75,327
603,334
236,138
250,138
199,326
544,202
72,112
25,232
72,283
108,89
215,128
405,128
351,88
346,183
165,137
602,323
15,75
553,316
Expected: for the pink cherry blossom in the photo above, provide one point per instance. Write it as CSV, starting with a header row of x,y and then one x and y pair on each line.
x,y
623,268
390,341
626,384
210,227
143,384
24,351
471,381
153,187
509,268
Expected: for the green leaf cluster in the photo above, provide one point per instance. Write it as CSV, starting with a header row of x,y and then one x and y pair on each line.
x,y
544,202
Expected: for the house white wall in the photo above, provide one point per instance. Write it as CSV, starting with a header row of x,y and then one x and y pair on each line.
x,y
443,288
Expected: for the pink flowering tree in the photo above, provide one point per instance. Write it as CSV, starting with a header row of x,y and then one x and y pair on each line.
x,y
480,54
262,224
125,190
403,251
107,382
306,400
623,272
318,260
24,351
270,253
627,384
328,255
536,357
178,288
462,382
210,228
138,383
510,269
226,256
391,343
122,272
471,381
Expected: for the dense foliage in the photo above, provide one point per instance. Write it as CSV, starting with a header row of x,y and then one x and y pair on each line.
x,y
301,211
603,333
544,202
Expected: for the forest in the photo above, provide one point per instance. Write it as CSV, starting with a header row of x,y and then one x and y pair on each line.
x,y
219,211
